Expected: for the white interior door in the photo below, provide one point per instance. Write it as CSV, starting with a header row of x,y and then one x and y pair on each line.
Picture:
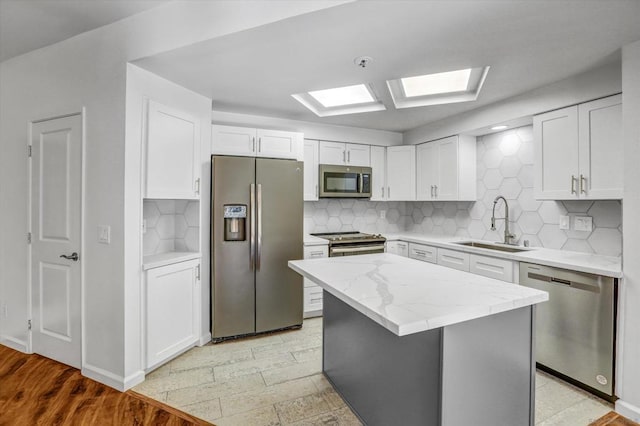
x,y
56,231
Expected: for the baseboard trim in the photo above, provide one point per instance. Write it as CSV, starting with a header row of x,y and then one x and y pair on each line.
x,y
630,411
13,343
204,339
112,380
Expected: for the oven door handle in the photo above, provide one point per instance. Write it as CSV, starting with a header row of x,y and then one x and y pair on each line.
x,y
360,182
356,249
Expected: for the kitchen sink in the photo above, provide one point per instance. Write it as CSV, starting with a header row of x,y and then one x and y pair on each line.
x,y
490,246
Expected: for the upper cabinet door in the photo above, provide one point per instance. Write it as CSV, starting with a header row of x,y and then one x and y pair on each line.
x,y
333,153
358,155
277,144
426,170
447,186
310,170
230,140
172,153
401,173
601,148
556,154
378,173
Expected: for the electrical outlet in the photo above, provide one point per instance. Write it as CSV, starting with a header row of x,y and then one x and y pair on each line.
x,y
104,234
583,223
383,214
564,222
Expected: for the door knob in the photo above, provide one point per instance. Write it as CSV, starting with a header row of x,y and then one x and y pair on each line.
x,y
73,256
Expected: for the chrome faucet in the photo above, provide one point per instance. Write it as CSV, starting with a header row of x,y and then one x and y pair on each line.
x,y
507,235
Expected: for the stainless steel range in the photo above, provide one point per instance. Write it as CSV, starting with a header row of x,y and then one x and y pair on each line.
x,y
353,243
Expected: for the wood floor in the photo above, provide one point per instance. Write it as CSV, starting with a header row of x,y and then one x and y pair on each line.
x,y
38,391
613,419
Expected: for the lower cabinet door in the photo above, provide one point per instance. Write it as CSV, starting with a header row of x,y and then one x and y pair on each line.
x,y
172,310
453,259
491,267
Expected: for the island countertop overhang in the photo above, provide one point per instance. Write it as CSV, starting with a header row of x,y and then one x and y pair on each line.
x,y
406,296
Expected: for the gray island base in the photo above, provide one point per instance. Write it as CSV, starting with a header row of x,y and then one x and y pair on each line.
x,y
414,343
479,372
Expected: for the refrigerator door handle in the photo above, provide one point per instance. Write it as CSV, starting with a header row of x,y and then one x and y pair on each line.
x,y
252,226
259,227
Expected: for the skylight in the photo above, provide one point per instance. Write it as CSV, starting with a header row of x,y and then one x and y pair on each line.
x,y
341,100
432,84
438,88
340,96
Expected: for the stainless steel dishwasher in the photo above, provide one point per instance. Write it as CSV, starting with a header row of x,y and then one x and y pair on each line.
x,y
575,329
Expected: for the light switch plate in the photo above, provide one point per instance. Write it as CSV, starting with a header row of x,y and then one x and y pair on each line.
x,y
104,234
564,222
383,214
583,223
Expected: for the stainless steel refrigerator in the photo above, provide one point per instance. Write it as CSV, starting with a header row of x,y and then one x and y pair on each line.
x,y
257,219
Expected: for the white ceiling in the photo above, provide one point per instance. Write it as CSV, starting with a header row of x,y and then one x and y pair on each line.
x,y
27,25
528,44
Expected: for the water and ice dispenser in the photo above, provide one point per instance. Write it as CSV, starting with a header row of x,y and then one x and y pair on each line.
x,y
235,220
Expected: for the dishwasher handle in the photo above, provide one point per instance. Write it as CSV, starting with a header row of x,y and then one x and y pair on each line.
x,y
574,284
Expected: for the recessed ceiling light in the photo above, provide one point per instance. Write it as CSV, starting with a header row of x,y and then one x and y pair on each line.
x,y
501,127
432,84
438,88
348,95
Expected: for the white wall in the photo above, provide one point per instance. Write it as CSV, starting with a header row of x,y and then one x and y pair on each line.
x,y
629,334
597,83
326,132
89,71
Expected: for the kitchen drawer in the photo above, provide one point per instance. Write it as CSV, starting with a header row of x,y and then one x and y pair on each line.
x,y
491,267
453,259
313,252
422,252
312,301
400,248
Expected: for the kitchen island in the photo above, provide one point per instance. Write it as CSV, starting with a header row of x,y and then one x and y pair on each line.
x,y
413,343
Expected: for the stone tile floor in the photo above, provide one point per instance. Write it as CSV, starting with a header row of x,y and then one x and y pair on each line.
x,y
276,380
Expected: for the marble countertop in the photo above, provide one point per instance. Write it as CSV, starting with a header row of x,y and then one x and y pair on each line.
x,y
163,259
310,240
609,266
406,296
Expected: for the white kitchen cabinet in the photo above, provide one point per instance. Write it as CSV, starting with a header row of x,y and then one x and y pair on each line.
x,y
446,169
423,252
579,151
344,154
172,310
172,154
378,173
312,292
453,259
310,170
401,248
401,173
500,269
251,142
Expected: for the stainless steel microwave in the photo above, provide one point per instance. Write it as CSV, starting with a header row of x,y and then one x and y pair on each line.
x,y
344,181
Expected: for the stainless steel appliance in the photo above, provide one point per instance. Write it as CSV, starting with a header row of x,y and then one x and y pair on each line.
x,y
257,214
353,243
344,181
575,329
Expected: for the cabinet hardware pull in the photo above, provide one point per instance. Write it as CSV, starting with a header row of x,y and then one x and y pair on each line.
x,y
197,186
259,144
435,187
253,144
583,184
198,272
573,187
382,192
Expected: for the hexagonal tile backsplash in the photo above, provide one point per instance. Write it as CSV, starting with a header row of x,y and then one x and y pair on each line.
x,y
172,225
505,167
